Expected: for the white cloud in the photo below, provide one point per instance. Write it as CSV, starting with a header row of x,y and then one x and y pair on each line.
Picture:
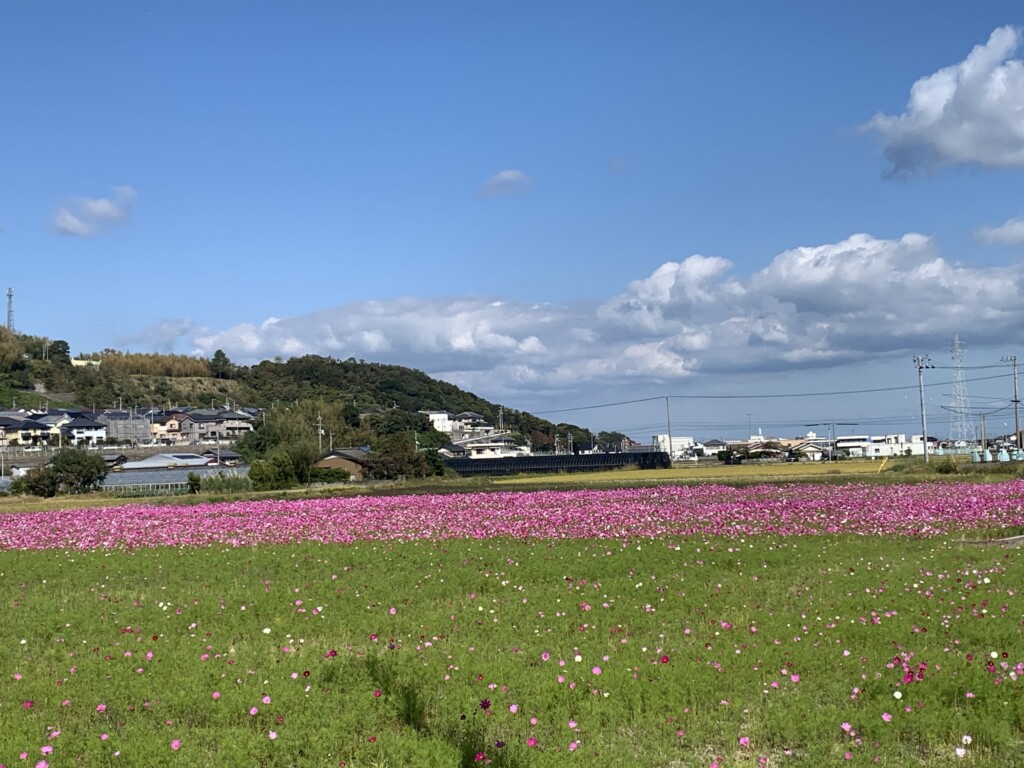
x,y
968,113
860,299
506,183
1010,232
85,217
162,336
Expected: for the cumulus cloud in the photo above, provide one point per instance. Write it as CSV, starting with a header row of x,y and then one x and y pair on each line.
x,y
85,216
506,183
163,336
857,300
1010,232
967,113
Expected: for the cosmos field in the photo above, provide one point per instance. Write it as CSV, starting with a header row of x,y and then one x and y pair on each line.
x,y
770,625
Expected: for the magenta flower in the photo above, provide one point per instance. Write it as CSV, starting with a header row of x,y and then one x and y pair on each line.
x,y
887,717
176,745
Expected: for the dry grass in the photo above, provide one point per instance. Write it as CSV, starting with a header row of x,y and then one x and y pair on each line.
x,y
706,472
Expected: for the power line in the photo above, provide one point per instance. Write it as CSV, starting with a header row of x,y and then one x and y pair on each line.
x,y
872,391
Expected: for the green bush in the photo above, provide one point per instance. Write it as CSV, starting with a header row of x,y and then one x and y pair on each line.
x,y
329,475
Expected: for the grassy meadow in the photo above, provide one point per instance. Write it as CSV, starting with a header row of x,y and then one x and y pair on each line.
x,y
439,631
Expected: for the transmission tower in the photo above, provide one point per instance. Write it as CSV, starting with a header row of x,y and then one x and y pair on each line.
x,y
10,310
961,426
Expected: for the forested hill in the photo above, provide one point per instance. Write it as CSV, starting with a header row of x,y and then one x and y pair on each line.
x,y
367,386
35,370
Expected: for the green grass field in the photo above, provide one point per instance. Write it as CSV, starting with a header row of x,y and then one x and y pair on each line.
x,y
643,653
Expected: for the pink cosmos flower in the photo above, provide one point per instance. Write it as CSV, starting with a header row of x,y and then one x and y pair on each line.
x,y
744,741
101,707
176,745
887,717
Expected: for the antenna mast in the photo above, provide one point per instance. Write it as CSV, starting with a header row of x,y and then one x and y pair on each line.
x,y
961,428
10,310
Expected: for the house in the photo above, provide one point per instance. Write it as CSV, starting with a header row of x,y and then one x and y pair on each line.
x,y
223,457
114,460
494,447
470,424
440,421
197,425
713,447
21,431
811,450
83,431
452,451
353,460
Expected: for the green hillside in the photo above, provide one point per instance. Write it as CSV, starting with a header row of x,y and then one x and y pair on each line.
x,y
350,400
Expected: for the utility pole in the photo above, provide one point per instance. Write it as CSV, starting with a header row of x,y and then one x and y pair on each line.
x,y
922,362
319,432
668,422
1019,439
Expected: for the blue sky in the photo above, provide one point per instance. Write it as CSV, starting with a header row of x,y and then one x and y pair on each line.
x,y
552,205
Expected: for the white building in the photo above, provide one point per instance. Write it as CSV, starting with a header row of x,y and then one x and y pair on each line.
x,y
897,445
440,420
680,445
497,447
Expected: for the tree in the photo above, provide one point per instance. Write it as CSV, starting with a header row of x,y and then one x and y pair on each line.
x,y
41,481
11,350
78,471
274,473
611,441
220,366
60,352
